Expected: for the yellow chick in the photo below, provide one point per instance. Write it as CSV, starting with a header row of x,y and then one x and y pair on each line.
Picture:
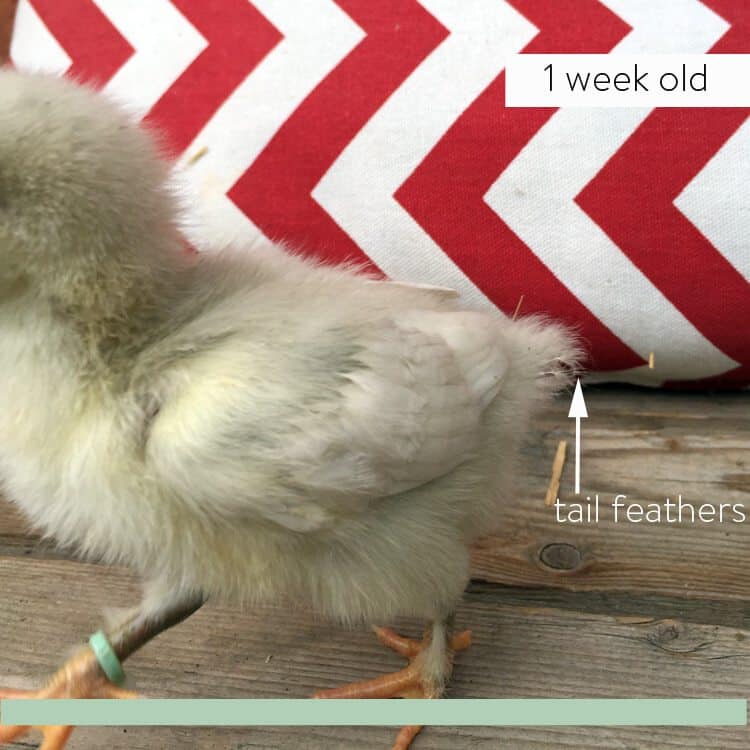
x,y
245,424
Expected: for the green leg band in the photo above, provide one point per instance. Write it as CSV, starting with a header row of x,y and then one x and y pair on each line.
x,y
107,657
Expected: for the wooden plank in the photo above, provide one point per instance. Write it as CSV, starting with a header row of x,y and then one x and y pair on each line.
x,y
12,523
17,538
624,606
434,738
647,445
522,649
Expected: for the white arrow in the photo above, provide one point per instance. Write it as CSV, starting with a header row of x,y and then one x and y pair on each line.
x,y
578,410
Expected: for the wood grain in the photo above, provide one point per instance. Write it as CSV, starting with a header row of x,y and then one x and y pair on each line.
x,y
607,610
648,447
521,649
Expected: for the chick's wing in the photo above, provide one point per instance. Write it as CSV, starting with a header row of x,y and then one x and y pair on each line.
x,y
364,414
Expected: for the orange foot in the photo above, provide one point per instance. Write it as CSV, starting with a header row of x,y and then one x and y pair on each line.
x,y
410,682
81,677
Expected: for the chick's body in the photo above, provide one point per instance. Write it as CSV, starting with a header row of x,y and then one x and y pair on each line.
x,y
243,423
285,430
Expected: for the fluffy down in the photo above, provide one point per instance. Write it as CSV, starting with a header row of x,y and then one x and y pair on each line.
x,y
247,424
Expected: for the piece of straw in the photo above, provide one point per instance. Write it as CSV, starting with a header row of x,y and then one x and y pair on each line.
x,y
518,307
197,156
650,360
557,467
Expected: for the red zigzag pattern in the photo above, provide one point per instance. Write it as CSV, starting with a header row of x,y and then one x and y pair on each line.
x,y
276,194
465,222
239,37
95,46
642,181
400,34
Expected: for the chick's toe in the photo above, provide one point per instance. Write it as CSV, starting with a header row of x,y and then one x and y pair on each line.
x,y
79,677
430,666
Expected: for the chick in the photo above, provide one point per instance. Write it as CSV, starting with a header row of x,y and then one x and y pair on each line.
x,y
246,424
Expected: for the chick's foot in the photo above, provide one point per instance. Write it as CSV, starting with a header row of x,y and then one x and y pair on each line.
x,y
429,668
80,677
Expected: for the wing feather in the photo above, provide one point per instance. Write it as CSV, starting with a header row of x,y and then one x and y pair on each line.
x,y
407,411
412,412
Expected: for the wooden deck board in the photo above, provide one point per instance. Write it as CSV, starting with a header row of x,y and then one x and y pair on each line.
x,y
652,611
523,648
649,447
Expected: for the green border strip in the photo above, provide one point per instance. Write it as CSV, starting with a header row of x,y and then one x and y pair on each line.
x,y
306,712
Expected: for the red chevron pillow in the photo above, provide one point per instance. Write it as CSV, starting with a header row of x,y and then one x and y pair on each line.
x,y
378,130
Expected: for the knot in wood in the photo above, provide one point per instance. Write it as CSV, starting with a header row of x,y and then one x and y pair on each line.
x,y
560,556
665,633
668,631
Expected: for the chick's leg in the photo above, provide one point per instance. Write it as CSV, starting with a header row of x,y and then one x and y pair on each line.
x,y
426,675
83,677
79,677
